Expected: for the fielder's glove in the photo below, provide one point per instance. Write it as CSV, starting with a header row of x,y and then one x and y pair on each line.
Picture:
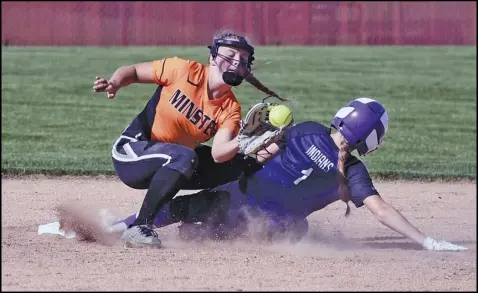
x,y
256,132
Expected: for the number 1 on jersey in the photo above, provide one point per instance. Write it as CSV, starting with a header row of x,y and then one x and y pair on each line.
x,y
306,174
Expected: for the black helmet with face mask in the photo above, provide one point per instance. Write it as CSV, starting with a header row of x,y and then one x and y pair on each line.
x,y
230,77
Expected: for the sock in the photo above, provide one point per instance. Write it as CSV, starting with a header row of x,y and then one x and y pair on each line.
x,y
128,220
163,187
164,217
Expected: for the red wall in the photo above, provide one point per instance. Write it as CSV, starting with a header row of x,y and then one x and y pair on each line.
x,y
267,23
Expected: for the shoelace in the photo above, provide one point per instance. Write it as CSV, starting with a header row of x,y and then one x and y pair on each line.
x,y
148,231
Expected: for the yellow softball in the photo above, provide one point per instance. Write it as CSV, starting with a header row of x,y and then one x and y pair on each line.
x,y
280,115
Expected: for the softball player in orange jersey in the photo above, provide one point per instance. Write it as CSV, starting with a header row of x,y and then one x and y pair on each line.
x,y
161,149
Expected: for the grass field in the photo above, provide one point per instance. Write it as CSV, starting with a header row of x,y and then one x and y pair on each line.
x,y
52,122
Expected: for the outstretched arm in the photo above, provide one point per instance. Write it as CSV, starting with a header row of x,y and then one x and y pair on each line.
x,y
137,73
392,218
124,76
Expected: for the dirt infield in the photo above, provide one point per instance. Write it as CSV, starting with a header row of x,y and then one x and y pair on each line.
x,y
338,254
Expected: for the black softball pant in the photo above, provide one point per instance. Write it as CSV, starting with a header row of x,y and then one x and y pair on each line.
x,y
136,162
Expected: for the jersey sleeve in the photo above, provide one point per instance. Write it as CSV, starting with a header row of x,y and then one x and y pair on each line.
x,y
359,182
232,118
168,70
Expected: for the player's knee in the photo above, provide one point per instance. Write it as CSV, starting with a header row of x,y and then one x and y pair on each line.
x,y
185,161
132,176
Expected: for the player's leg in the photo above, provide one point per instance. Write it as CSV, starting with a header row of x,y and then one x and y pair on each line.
x,y
210,208
136,161
210,174
218,210
203,206
271,221
202,215
292,229
160,167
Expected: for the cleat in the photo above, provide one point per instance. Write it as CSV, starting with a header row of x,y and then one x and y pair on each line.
x,y
141,236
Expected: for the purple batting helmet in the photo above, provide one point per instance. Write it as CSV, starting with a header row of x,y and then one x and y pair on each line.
x,y
363,122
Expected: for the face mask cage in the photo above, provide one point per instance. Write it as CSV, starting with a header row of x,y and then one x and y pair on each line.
x,y
241,44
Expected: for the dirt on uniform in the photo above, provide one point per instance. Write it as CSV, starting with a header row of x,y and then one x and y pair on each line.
x,y
357,253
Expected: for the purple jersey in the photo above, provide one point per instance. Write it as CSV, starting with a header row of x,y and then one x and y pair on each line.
x,y
302,178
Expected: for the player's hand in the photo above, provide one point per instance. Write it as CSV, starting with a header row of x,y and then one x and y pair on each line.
x,y
103,85
432,244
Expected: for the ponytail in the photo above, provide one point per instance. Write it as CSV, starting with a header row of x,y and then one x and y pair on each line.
x,y
344,153
250,78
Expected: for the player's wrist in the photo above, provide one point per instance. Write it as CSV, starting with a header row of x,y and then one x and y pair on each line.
x,y
115,83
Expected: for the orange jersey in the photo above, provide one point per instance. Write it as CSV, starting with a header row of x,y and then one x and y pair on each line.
x,y
184,114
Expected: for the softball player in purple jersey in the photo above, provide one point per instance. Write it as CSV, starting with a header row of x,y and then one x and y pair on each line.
x,y
310,168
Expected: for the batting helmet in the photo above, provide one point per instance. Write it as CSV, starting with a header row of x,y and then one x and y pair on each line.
x,y
241,44
232,77
363,122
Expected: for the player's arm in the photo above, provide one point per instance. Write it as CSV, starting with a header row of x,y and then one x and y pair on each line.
x,y
124,76
273,149
136,73
392,218
225,144
161,72
362,192
268,153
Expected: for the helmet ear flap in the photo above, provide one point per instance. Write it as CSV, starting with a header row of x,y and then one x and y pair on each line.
x,y
213,49
251,59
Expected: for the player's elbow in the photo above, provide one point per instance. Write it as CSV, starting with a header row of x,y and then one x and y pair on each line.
x,y
379,208
221,158
381,215
384,212
218,158
219,155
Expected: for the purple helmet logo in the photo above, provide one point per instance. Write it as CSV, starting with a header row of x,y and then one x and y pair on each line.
x,y
363,122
